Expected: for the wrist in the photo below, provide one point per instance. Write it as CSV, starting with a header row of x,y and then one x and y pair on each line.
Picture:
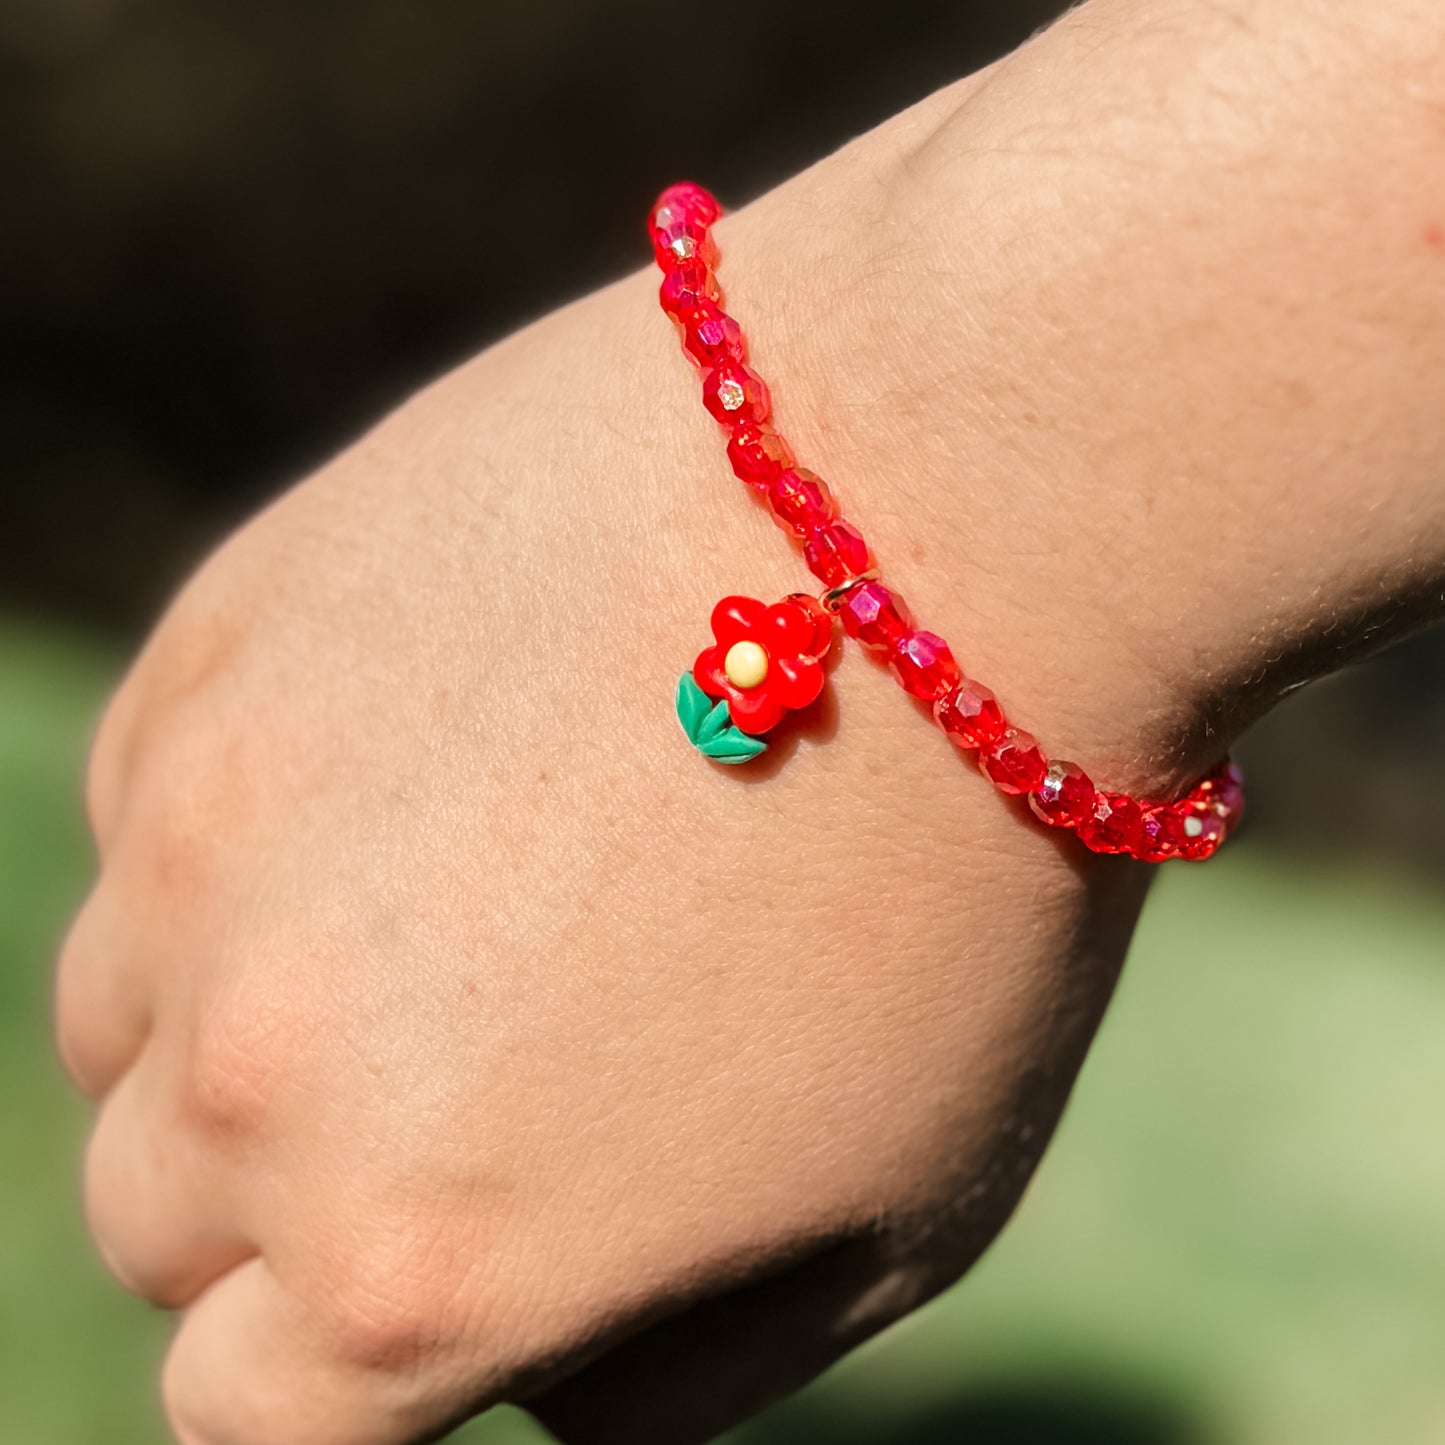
x,y
1103,384
897,394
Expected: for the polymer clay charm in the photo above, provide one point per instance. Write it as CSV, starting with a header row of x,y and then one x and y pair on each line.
x,y
765,662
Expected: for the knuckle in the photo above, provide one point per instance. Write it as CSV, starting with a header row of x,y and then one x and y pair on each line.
x,y
189,808
396,1304
379,1331
234,1070
155,755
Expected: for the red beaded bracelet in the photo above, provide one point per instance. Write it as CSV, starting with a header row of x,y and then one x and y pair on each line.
x,y
766,660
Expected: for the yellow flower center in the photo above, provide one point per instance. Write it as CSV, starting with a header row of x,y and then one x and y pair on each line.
x,y
746,665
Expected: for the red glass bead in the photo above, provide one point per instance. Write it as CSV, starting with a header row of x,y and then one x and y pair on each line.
x,y
1179,830
679,225
1202,833
710,335
1114,824
733,392
1159,835
1223,793
684,201
1065,797
970,715
876,615
685,289
682,242
758,454
837,552
801,501
924,665
1014,763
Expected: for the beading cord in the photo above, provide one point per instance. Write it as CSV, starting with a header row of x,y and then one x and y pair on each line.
x,y
765,660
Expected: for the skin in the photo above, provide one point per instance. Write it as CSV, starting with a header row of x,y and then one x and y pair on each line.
x,y
459,1036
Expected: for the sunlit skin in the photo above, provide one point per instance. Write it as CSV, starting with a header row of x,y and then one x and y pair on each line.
x,y
458,1033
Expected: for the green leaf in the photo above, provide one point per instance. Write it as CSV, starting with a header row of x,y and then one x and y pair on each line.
x,y
693,706
732,746
714,724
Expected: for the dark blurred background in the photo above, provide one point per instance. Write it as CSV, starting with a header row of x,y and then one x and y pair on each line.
x,y
230,236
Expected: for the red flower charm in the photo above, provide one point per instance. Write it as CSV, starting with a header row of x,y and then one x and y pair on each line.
x,y
765,661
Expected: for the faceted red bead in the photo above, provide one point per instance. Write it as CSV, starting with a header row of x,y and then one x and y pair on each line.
x,y
758,454
1156,841
733,392
684,201
1222,792
801,501
924,665
682,242
1179,830
970,715
710,335
683,290
679,225
1114,825
1065,797
1202,835
1014,763
876,615
836,552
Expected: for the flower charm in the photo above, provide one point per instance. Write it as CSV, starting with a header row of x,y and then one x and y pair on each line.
x,y
764,664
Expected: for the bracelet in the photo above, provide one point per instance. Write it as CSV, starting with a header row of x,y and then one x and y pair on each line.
x,y
766,660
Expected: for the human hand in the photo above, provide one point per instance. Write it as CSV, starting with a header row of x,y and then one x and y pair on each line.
x,y
461,1036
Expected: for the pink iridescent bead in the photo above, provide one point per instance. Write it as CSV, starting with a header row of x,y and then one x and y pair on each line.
x,y
733,392
876,616
923,664
686,200
679,226
837,552
801,501
710,335
1014,764
685,289
682,243
1065,798
970,715
758,454
1223,793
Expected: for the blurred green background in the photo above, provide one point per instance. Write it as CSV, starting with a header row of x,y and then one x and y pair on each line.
x,y
1235,1238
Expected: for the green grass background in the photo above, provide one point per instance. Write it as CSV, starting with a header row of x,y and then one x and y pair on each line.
x,y
1237,1236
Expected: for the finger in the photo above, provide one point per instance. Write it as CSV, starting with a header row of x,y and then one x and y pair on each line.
x,y
253,1364
102,1002
159,1209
